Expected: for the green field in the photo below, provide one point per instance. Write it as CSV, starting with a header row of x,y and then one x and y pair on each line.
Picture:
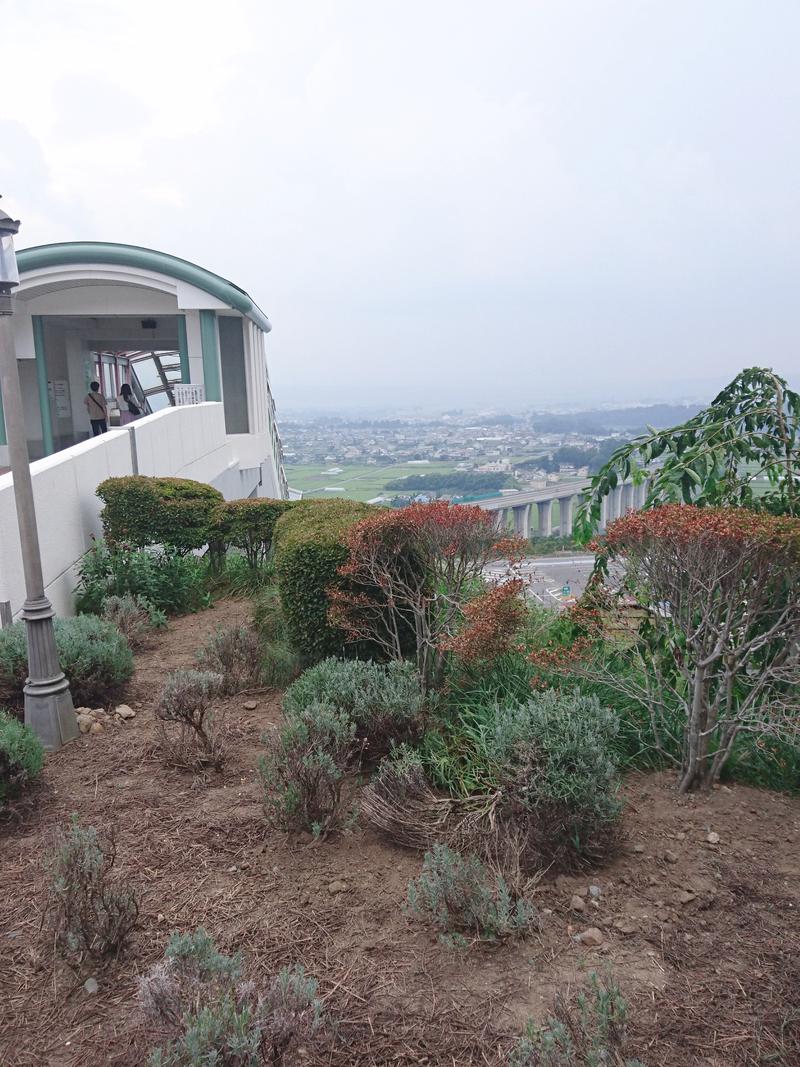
x,y
359,481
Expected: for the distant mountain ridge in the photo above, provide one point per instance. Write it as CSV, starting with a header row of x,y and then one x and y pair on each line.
x,y
615,420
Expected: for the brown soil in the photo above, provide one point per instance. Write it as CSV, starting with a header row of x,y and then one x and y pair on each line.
x,y
703,937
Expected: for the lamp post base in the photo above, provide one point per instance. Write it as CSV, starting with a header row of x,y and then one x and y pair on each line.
x,y
51,716
48,702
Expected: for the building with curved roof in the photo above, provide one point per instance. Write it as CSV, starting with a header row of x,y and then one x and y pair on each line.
x,y
177,358
120,314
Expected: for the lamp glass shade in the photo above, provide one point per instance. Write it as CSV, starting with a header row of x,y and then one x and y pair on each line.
x,y
9,275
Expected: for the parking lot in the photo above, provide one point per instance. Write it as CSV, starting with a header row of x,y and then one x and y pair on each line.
x,y
555,581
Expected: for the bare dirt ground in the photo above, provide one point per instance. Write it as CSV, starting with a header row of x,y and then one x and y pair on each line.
x,y
701,931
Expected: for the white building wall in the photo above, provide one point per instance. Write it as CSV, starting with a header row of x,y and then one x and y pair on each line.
x,y
187,442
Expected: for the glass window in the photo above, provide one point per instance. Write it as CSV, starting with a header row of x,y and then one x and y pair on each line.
x,y
234,381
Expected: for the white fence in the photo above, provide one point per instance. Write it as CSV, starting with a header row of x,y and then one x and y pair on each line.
x,y
184,442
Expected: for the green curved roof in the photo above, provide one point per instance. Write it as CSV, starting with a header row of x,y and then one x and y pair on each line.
x,y
73,252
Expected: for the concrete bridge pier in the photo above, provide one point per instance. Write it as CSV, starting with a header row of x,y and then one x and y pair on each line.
x,y
626,497
522,520
545,509
565,505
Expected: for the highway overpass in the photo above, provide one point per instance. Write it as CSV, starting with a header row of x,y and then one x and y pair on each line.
x,y
517,507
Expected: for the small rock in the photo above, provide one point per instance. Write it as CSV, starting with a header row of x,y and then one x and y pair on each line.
x,y
595,891
90,985
97,728
547,911
670,856
336,886
684,896
625,928
232,870
638,848
681,836
713,838
99,713
577,903
250,705
725,789
592,937
124,711
84,723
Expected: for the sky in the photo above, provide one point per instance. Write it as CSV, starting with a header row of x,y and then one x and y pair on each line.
x,y
522,202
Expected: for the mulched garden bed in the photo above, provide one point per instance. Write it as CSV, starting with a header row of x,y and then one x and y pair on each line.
x,y
701,932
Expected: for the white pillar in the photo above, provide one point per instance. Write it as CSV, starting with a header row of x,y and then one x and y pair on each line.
x,y
565,515
545,508
626,497
522,520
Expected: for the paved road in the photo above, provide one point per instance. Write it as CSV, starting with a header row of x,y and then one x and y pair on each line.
x,y
554,581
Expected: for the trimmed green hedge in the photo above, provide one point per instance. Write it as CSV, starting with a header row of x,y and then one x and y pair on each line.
x,y
249,524
309,548
175,512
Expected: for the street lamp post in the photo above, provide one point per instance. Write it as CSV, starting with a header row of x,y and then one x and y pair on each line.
x,y
48,701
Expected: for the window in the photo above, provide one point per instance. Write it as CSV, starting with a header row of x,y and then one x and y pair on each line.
x,y
234,379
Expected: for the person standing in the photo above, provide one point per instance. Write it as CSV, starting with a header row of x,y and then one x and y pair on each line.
x,y
128,408
97,409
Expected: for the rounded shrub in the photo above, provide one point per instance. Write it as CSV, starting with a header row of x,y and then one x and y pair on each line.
x,y
93,654
553,758
303,772
21,756
309,549
249,525
176,512
385,701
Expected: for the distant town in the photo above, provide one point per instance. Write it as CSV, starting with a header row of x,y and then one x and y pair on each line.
x,y
456,455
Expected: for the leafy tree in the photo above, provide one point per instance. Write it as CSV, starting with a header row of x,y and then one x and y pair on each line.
x,y
413,570
751,430
720,643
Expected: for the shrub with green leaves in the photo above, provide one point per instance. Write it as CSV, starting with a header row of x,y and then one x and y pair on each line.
x,y
280,665
92,913
249,525
269,621
93,654
586,1032
173,584
212,1015
553,759
21,756
234,653
135,617
303,772
309,549
191,735
457,895
385,701
175,512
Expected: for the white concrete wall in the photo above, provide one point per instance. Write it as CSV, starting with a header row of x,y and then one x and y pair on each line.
x,y
185,442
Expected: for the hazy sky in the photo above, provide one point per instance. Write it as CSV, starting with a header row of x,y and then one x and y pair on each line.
x,y
536,201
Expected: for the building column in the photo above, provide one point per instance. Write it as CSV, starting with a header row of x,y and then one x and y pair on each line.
x,y
522,520
183,350
545,509
626,498
209,344
641,494
41,379
565,515
3,439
